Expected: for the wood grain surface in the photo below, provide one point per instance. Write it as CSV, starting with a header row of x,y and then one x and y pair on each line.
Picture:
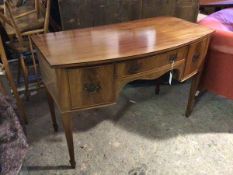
x,y
122,41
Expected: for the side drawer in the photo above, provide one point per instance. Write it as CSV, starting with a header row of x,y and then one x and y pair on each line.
x,y
48,76
91,86
145,64
195,58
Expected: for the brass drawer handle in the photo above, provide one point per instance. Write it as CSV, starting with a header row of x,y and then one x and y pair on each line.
x,y
134,68
92,88
196,56
173,58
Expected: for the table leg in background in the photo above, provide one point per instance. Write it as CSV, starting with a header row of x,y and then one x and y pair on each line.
x,y
52,111
192,94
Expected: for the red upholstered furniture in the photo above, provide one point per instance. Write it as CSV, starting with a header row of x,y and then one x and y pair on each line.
x,y
218,72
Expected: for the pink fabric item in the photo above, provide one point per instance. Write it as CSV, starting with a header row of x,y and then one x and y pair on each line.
x,y
218,72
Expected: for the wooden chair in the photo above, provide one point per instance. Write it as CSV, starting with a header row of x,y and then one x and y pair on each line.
x,y
28,19
20,47
4,60
23,46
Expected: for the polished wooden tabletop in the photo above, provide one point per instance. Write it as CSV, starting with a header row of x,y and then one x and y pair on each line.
x,y
116,42
215,2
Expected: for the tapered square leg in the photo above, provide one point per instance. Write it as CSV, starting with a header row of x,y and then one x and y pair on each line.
x,y
67,124
52,111
192,94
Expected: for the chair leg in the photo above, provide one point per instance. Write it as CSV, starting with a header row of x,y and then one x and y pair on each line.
x,y
18,73
19,103
2,88
34,61
25,75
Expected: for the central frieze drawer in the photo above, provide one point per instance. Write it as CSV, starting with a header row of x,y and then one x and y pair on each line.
x,y
141,65
91,86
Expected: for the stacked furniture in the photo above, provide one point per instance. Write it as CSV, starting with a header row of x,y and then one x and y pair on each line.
x,y
22,22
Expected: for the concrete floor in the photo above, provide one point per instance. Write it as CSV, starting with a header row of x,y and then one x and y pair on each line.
x,y
148,137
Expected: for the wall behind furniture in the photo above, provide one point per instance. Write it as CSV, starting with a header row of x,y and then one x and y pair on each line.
x,y
86,13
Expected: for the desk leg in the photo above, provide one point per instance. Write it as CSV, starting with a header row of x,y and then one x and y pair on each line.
x,y
192,94
52,111
157,85
67,124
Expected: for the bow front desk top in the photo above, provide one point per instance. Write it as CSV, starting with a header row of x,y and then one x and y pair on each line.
x,y
117,42
87,68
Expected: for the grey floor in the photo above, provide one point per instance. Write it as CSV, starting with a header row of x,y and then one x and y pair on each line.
x,y
147,136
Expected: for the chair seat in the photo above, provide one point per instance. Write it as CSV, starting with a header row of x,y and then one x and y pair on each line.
x,y
22,9
18,48
30,22
26,23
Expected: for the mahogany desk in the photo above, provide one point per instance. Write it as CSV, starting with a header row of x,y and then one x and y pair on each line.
x,y
87,68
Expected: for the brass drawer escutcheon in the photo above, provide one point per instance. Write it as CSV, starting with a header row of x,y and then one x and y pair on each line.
x,y
92,87
134,68
173,57
196,56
